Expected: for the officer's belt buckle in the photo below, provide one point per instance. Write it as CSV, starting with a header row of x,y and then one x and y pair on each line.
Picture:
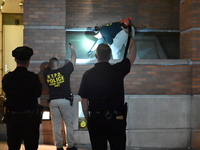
x,y
18,113
108,115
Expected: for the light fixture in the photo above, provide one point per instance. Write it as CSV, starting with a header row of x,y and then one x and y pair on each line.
x,y
2,4
21,3
46,115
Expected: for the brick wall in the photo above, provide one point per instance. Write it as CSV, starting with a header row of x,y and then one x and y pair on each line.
x,y
45,23
41,12
189,38
189,27
45,27
189,14
190,46
148,79
46,42
146,13
196,79
158,79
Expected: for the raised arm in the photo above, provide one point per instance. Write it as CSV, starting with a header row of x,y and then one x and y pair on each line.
x,y
132,51
73,54
132,47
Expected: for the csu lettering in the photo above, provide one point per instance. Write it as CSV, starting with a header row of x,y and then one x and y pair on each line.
x,y
55,79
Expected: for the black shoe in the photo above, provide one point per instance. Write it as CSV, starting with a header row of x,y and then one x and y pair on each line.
x,y
72,148
60,148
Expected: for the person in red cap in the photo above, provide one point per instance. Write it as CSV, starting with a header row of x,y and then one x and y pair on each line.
x,y
22,89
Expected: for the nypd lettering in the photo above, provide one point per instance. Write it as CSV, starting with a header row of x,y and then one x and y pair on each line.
x,y
55,79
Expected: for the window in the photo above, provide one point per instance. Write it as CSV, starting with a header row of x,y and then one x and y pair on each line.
x,y
12,19
157,45
150,44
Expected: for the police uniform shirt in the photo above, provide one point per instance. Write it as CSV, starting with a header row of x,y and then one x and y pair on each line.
x,y
109,31
103,86
22,88
58,81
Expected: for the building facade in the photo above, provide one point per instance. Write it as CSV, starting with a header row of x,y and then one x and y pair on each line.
x,y
163,94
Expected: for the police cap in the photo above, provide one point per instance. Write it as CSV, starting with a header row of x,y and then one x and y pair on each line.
x,y
22,53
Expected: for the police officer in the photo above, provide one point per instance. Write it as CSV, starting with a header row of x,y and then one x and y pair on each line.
x,y
57,77
114,35
22,89
102,98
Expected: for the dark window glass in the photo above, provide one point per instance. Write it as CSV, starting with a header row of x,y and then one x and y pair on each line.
x,y
12,19
157,45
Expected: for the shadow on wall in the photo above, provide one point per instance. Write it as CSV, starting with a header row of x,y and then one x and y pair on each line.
x,y
42,80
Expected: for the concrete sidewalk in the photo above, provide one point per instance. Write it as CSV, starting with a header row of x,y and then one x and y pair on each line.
x,y
3,146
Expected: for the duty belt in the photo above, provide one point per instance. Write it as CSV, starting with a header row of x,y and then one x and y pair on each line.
x,y
23,112
109,114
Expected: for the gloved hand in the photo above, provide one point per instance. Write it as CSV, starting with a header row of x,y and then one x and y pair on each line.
x,y
89,53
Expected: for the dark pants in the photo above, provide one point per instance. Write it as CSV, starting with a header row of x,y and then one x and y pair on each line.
x,y
22,128
103,130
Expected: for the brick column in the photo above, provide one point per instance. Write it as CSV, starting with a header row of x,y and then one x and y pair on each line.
x,y
44,31
190,38
190,29
190,49
45,27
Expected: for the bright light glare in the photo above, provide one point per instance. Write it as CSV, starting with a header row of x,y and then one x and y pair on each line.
x,y
87,43
80,111
46,115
